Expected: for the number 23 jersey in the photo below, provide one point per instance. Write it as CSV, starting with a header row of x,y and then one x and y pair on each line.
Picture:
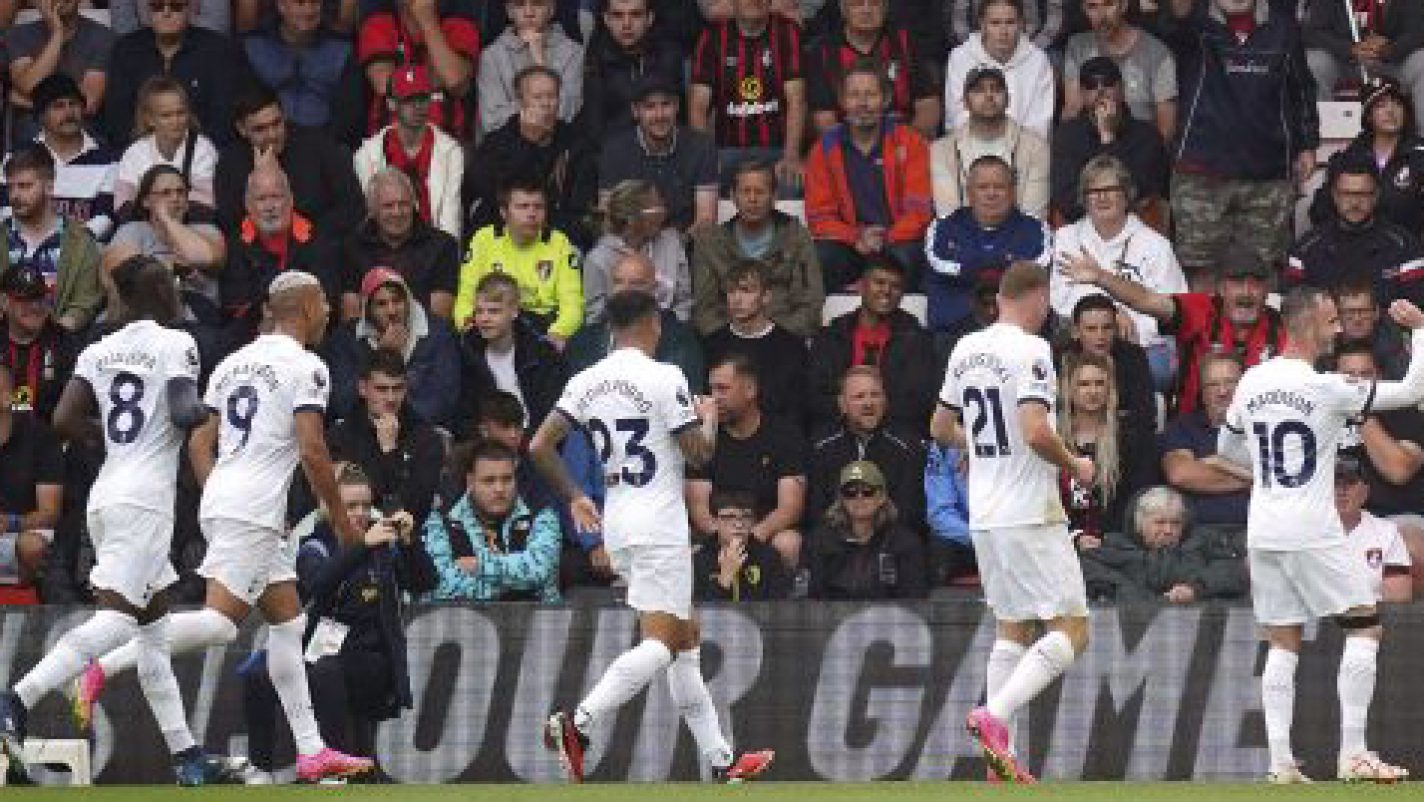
x,y
989,374
1293,420
256,393
129,371
632,409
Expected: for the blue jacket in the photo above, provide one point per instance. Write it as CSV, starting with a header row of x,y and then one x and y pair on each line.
x,y
522,564
432,364
946,495
962,253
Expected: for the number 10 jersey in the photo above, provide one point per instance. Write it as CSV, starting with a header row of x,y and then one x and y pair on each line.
x,y
632,408
990,373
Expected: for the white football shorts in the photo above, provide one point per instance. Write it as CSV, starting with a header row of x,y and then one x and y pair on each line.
x,y
1294,587
131,546
246,557
1030,573
659,578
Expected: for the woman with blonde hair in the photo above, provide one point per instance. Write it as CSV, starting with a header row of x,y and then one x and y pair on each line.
x,y
636,222
166,132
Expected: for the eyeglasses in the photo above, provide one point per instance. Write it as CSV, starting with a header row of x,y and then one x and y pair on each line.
x,y
737,517
1097,82
859,491
170,7
1104,190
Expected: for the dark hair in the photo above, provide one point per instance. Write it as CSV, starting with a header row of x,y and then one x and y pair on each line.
x,y
464,456
533,70
351,473
739,361
731,499
1354,346
146,290
521,183
628,308
32,156
254,99
384,361
992,159
987,4
501,407
744,269
867,66
754,167
1096,302
1351,162
145,187
1355,286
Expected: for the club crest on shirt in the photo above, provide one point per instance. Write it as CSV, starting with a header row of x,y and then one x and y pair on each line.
x,y
545,269
191,355
319,380
1375,558
682,399
750,88
1039,370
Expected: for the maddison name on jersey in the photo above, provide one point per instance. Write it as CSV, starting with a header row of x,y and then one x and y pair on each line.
x,y
1284,398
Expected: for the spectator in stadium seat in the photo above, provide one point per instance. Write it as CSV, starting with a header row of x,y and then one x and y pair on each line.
x,y
950,548
978,240
882,334
1045,21
531,39
394,235
862,551
735,566
1235,172
167,133
1361,319
210,67
1105,127
678,346
324,184
779,355
1114,238
499,417
312,68
1161,558
1390,41
414,144
623,49
414,33
868,34
983,313
1375,542
489,545
634,223
63,252
748,90
758,232
1235,320
127,16
537,144
755,453
1093,331
1355,245
540,258
1149,73
84,169
988,130
1389,446
1216,489
867,186
865,433
61,42
1390,137
393,319
682,162
502,351
39,351
385,435
31,489
1000,42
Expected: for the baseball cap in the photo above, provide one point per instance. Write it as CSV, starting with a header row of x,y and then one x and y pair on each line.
x,y
1101,68
24,283
1378,88
1348,468
984,72
1239,261
378,277
864,472
411,81
653,84
56,86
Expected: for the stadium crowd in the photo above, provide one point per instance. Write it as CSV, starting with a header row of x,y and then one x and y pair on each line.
x,y
821,195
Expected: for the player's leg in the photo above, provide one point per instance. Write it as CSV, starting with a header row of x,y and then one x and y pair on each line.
x,y
1043,661
1278,700
694,703
1356,687
1014,638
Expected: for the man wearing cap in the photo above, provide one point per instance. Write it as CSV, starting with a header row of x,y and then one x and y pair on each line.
x,y
415,34
1148,71
681,162
862,550
1383,39
1000,42
432,158
1106,126
1390,137
40,354
394,235
61,42
84,169
989,130
31,491
620,53
1376,542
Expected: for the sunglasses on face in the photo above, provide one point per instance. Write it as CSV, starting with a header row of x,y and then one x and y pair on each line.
x,y
859,491
170,7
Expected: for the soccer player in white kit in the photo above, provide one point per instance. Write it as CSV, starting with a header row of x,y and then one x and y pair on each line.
x,y
997,405
644,425
1286,421
141,382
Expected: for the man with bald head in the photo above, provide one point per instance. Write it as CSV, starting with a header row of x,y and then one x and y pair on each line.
x,y
678,344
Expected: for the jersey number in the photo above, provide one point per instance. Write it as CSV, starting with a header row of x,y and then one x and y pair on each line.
x,y
633,448
126,417
241,409
987,404
1272,445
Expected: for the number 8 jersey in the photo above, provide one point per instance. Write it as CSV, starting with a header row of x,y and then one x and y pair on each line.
x,y
632,409
990,373
256,393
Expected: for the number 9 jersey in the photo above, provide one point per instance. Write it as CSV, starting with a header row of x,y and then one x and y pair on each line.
x,y
989,374
632,408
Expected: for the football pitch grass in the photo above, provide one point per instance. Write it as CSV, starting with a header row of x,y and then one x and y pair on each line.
x,y
751,792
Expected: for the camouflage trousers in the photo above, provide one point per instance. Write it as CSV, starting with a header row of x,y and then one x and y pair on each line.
x,y
1208,212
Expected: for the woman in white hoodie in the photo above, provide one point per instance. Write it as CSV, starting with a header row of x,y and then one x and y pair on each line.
x,y
1117,240
1000,43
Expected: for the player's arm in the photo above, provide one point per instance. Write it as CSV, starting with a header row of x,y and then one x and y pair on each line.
x,y
1409,390
1232,446
1396,459
1038,433
316,464
544,450
185,403
203,448
1397,587
698,493
945,428
75,417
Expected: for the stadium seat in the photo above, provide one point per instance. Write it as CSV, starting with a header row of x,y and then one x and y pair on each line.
x,y
72,753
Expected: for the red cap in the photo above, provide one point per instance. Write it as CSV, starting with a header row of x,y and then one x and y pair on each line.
x,y
378,276
410,81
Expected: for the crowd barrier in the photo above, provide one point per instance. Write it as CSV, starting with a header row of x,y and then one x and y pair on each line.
x,y
841,691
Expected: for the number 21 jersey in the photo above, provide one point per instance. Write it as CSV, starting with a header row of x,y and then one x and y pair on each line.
x,y
990,373
632,409
256,393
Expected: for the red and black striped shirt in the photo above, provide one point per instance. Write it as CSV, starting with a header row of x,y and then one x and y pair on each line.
x,y
748,77
893,51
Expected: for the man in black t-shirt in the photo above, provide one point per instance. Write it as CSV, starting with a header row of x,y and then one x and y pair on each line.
x,y
755,453
778,355
31,489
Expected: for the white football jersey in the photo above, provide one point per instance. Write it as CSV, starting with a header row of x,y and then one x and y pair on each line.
x,y
991,373
256,393
1293,420
129,371
632,408
1379,546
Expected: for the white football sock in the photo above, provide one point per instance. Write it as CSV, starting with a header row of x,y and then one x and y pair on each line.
x,y
289,677
160,687
625,677
1003,659
103,631
187,632
689,693
1278,703
1356,684
1041,664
